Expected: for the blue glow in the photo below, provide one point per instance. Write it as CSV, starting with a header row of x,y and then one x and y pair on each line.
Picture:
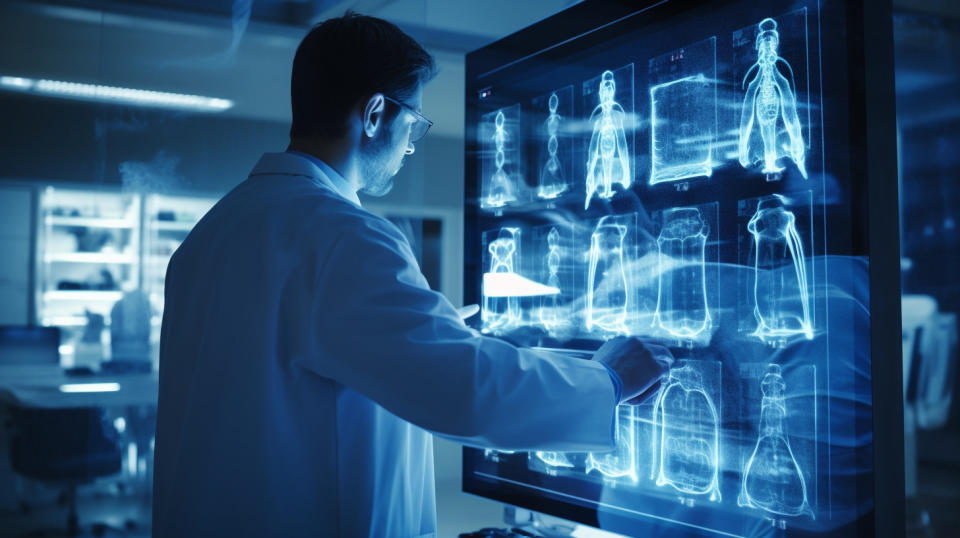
x,y
772,479
682,307
687,444
89,387
501,311
607,289
502,189
781,291
682,119
769,100
554,459
552,178
549,317
115,94
608,156
622,461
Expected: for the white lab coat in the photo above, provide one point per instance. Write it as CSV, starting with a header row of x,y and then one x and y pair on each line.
x,y
304,359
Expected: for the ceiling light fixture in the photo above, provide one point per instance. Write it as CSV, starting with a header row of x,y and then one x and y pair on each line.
x,y
114,94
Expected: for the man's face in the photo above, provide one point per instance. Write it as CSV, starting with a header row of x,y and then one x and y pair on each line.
x,y
384,153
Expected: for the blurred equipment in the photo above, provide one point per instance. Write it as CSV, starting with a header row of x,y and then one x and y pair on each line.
x,y
29,345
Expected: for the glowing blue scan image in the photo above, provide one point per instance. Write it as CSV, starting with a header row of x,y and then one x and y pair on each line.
x,y
550,316
501,311
682,118
501,164
622,461
608,155
552,177
770,102
687,444
501,187
781,291
607,288
554,459
683,112
772,479
682,308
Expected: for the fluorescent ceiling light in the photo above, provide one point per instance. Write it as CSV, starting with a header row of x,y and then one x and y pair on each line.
x,y
90,387
114,94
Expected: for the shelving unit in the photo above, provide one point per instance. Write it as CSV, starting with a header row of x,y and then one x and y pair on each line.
x,y
167,220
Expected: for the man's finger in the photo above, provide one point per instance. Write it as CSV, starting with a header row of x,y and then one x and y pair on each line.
x,y
468,311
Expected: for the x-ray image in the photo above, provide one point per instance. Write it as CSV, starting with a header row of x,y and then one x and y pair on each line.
x,y
608,275
683,112
770,127
555,264
611,126
686,416
684,289
501,169
555,145
622,461
781,288
772,478
501,302
775,243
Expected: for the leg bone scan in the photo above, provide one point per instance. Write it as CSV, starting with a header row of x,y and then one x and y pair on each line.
x,y
688,448
608,155
552,183
770,98
772,479
607,294
501,186
780,291
682,307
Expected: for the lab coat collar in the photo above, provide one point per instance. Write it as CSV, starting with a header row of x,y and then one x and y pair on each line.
x,y
295,163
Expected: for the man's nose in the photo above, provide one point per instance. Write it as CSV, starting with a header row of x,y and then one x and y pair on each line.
x,y
409,150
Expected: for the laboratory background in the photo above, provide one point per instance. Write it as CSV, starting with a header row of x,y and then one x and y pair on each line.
x,y
710,174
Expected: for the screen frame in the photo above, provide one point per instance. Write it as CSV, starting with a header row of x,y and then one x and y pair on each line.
x,y
874,198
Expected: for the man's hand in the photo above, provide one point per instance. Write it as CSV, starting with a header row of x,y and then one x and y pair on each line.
x,y
639,363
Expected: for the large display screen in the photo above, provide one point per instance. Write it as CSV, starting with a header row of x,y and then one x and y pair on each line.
x,y
687,172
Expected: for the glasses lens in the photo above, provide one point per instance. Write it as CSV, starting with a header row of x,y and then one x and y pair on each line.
x,y
418,130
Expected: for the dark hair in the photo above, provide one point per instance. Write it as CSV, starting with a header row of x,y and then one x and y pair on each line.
x,y
345,60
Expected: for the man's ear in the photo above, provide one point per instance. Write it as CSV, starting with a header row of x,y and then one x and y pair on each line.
x,y
373,114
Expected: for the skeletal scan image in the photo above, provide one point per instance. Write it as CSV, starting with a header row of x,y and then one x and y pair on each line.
x,y
607,286
553,180
499,144
687,444
682,308
769,126
781,291
772,479
622,461
608,154
501,310
550,315
683,112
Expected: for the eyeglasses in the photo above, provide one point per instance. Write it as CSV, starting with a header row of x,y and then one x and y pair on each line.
x,y
420,127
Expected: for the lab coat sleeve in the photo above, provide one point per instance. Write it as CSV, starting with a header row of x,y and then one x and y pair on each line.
x,y
382,332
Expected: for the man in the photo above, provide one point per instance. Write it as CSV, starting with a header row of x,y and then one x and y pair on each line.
x,y
305,359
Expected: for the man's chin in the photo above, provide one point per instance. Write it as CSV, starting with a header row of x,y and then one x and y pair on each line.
x,y
380,190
